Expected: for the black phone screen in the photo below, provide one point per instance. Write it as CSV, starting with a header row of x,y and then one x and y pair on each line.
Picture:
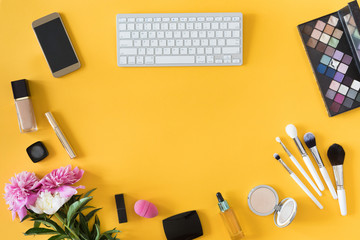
x,y
56,45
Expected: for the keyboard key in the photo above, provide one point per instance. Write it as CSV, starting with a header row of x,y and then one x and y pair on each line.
x,y
232,42
211,34
171,43
139,60
142,51
206,26
218,19
200,59
236,33
146,43
158,51
143,35
174,59
164,26
202,34
137,43
147,26
149,51
190,26
167,51
152,34
177,34
223,25
183,19
185,34
209,19
165,19
212,42
148,19
168,34
128,51
194,34
192,51
219,34
183,51
131,60
156,26
122,26
227,19
187,42
201,19
162,43
235,19
131,27
229,50
131,19
139,19
154,43
135,35
204,42
200,51
149,60
215,25
192,19
139,26
179,43
181,26
126,43
175,51
122,20
227,34
124,35
123,60
234,25
173,26
174,19
208,50
209,59
157,19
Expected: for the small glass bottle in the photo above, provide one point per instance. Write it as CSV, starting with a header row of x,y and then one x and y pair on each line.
x,y
24,107
229,218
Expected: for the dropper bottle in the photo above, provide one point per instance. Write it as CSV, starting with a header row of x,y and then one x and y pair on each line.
x,y
229,218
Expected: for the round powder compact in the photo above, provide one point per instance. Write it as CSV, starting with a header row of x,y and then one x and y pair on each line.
x,y
263,200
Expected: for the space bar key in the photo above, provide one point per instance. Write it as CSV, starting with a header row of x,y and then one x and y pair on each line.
x,y
174,59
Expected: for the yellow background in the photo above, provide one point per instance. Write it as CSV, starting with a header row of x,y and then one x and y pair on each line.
x,y
177,135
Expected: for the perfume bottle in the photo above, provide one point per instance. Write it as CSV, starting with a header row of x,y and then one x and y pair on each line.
x,y
229,218
24,107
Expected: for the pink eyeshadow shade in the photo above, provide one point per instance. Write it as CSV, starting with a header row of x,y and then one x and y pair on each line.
x,y
343,68
339,98
316,34
320,25
335,107
334,85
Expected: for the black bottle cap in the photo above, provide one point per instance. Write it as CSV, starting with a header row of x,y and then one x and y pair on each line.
x,y
120,206
219,197
37,152
20,88
183,226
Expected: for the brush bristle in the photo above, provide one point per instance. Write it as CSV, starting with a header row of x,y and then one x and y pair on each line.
x,y
276,156
277,139
309,140
336,154
291,131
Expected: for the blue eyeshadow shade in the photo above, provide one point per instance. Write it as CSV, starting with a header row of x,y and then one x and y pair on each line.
x,y
321,68
330,72
325,60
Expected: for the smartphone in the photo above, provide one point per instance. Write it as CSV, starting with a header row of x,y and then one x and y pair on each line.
x,y
56,45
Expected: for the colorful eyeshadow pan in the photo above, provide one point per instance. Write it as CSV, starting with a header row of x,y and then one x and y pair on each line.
x,y
335,107
333,42
307,29
325,60
347,81
312,43
355,85
343,89
330,94
351,94
329,51
348,102
321,68
320,25
334,85
347,59
330,72
333,21
343,68
338,55
329,29
333,64
358,98
337,33
325,38
316,34
321,47
339,76
339,98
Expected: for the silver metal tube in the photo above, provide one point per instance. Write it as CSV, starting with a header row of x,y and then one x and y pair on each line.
x,y
285,166
339,176
314,151
300,146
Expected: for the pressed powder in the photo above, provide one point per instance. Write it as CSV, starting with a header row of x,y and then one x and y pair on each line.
x,y
263,200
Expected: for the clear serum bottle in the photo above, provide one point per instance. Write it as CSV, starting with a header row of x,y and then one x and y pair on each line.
x,y
24,107
229,218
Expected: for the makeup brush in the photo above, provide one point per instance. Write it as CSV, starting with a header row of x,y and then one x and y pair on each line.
x,y
336,155
292,132
301,169
298,181
310,142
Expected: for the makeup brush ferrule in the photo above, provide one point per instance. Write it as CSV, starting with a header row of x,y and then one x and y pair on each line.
x,y
300,146
314,151
286,150
339,176
285,166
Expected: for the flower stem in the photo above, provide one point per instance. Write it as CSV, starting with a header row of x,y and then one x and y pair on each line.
x,y
66,226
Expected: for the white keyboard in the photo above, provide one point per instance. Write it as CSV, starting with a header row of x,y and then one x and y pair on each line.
x,y
179,39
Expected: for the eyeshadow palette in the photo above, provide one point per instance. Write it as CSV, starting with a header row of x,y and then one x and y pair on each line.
x,y
332,43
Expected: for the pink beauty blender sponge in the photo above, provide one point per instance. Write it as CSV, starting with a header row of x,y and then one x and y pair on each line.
x,y
145,209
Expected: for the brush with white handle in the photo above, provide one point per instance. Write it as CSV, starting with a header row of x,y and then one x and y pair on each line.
x,y
298,181
310,142
301,169
336,155
292,132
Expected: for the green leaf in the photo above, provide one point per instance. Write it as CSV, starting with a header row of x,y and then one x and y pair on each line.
x,y
26,217
91,214
58,237
84,227
97,232
36,223
39,231
50,223
89,192
73,209
86,207
97,220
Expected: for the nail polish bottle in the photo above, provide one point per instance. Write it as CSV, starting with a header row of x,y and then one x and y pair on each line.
x,y
24,107
229,218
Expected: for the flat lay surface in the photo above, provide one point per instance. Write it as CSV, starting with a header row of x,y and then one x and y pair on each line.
x,y
175,136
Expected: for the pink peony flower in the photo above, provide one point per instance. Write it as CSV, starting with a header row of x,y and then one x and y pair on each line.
x,y
21,193
60,181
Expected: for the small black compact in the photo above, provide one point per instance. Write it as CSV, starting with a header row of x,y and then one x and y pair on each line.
x,y
37,152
